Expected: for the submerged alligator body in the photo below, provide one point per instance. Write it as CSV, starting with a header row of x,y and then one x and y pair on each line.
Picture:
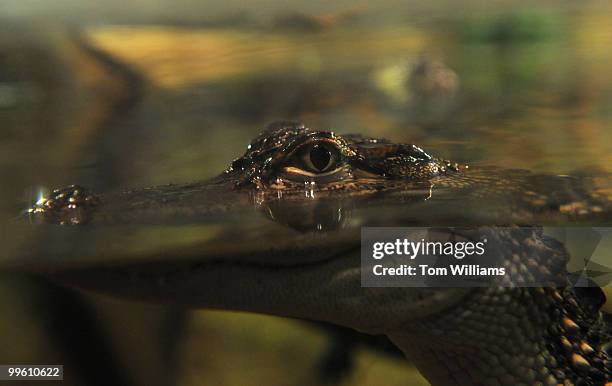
x,y
326,186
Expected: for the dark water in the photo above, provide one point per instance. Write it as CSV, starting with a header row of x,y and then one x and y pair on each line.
x,y
182,96
521,89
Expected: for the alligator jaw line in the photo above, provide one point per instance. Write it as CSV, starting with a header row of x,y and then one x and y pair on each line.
x,y
327,290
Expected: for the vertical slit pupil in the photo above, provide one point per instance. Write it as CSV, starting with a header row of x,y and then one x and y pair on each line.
x,y
320,157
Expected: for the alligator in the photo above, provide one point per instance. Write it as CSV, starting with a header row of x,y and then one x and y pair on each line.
x,y
320,187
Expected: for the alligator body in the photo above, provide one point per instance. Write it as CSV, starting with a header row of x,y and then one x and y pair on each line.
x,y
325,186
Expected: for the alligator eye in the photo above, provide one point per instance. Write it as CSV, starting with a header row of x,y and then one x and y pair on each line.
x,y
320,157
317,159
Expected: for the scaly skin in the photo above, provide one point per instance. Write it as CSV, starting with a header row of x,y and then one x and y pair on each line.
x,y
516,336
486,336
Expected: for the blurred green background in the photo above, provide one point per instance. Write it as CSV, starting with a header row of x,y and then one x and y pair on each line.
x,y
116,94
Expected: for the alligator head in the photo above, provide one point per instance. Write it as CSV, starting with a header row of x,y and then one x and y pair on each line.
x,y
291,169
288,157
297,176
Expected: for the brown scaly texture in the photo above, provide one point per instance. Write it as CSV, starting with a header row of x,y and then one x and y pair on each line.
x,y
518,336
497,336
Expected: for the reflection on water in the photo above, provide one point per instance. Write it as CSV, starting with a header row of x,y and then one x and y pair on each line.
x,y
128,106
537,100
531,90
